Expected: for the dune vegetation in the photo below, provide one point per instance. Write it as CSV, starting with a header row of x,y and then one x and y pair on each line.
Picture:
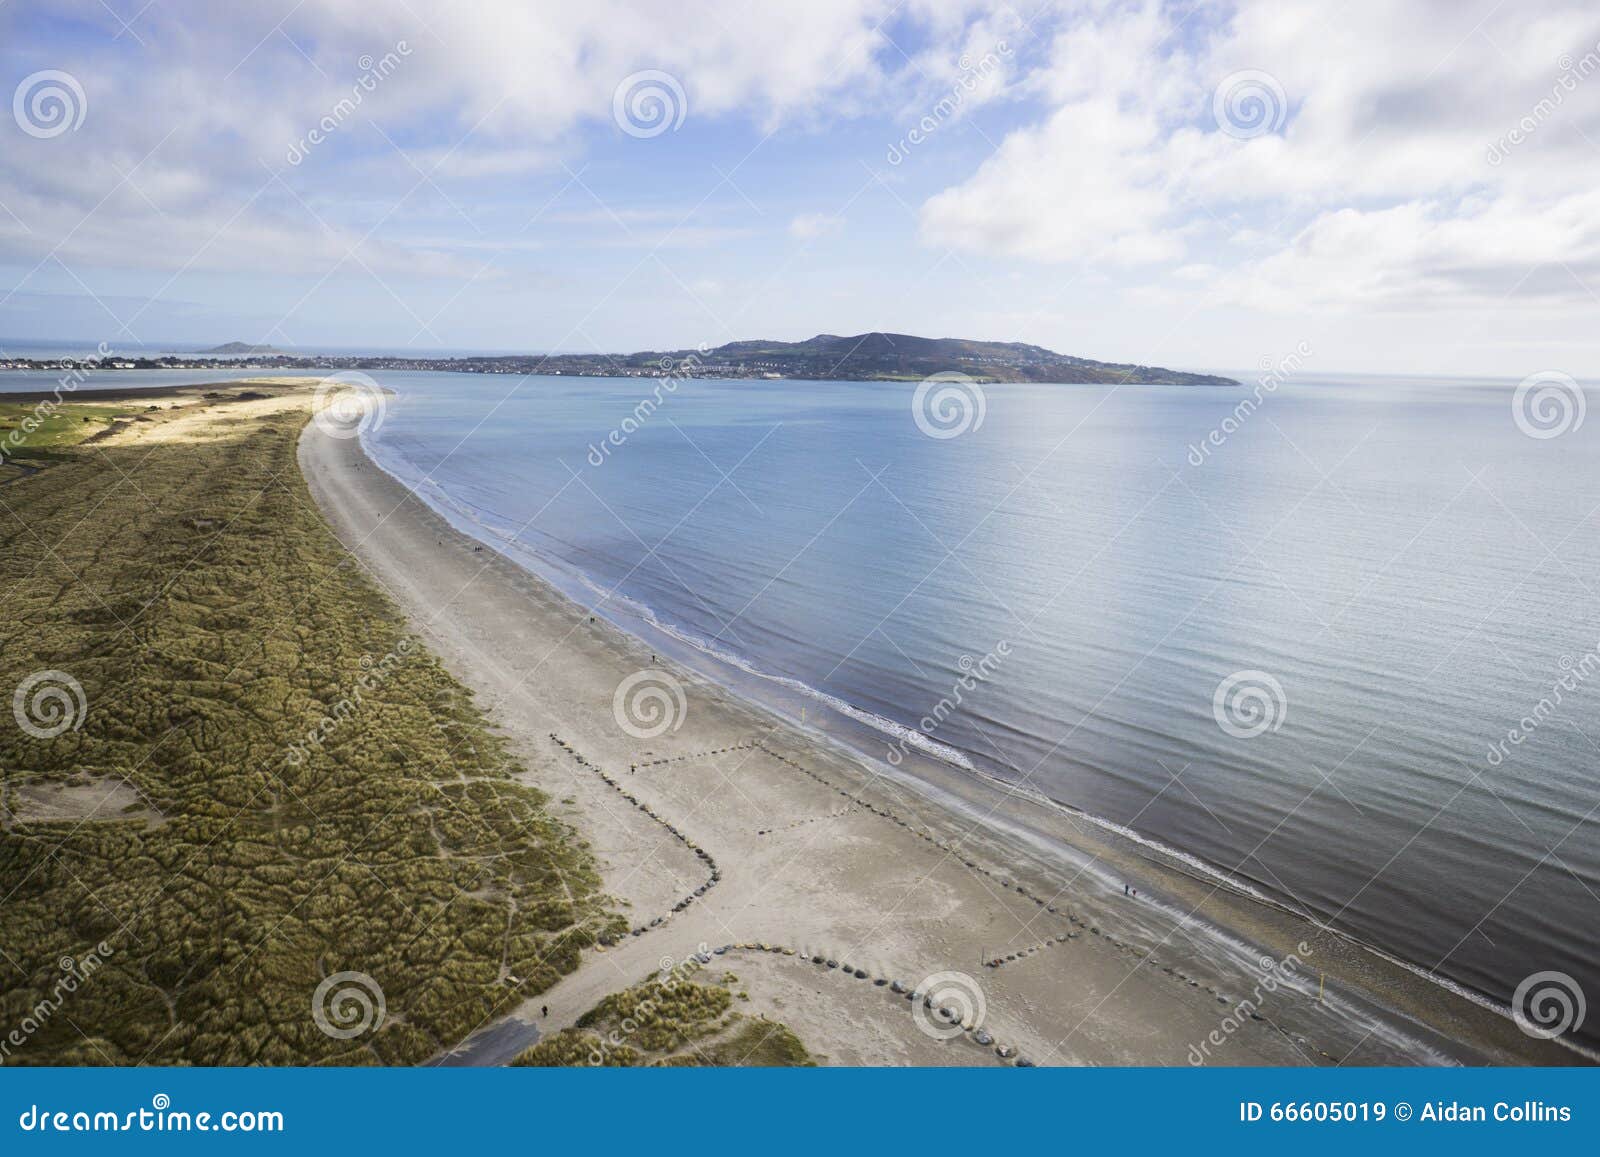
x,y
232,780
678,1018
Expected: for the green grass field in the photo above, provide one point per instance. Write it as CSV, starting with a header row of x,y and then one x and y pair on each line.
x,y
34,436
268,783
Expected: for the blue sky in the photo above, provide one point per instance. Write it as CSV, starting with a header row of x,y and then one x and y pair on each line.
x,y
1402,187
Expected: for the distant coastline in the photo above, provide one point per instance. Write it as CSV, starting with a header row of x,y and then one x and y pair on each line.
x,y
827,357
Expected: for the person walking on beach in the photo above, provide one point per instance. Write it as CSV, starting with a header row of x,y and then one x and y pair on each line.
x,y
1124,889
544,1010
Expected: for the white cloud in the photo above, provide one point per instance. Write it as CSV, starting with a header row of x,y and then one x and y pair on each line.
x,y
1086,185
185,126
1426,255
810,226
1379,174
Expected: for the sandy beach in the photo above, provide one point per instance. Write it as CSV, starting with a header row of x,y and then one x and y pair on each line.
x,y
740,829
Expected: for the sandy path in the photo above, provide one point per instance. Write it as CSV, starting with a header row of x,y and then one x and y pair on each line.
x,y
883,876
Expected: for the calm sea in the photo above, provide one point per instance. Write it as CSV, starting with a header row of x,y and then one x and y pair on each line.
x,y
1300,656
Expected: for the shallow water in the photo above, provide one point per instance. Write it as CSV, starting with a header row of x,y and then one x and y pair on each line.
x,y
69,382
1413,571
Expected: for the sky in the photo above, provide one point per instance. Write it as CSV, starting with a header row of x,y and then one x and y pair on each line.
x,y
1410,186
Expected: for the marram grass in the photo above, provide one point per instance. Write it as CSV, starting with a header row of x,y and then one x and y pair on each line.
x,y
677,1018
292,787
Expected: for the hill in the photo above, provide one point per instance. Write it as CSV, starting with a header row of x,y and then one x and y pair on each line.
x,y
238,349
877,355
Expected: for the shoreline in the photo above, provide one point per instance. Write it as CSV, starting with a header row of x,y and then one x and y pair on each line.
x,y
923,756
867,735
923,768
1418,1020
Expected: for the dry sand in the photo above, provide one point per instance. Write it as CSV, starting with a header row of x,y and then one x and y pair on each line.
x,y
894,877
